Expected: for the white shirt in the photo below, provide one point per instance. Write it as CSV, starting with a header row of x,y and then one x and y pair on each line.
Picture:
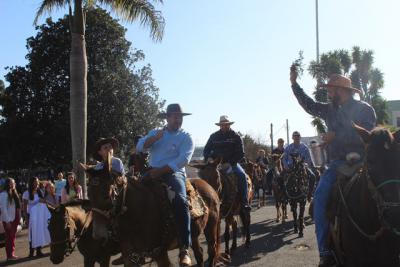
x,y
7,209
31,203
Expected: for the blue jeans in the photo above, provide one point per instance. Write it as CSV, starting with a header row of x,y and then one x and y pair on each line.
x,y
242,182
321,198
180,205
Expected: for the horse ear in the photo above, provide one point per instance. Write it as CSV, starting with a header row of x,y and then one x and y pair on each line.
x,y
363,133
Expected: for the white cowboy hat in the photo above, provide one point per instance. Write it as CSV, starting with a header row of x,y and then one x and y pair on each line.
x,y
224,120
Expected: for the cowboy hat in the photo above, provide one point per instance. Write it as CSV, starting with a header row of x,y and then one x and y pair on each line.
x,y
173,109
102,141
224,120
340,81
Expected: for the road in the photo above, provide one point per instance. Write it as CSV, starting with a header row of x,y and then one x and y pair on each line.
x,y
272,244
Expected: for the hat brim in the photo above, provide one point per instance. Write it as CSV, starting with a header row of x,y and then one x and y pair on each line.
x,y
224,123
164,114
113,141
325,85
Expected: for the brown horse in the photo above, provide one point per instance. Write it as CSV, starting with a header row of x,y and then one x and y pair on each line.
x,y
143,218
275,166
70,225
231,207
367,207
298,186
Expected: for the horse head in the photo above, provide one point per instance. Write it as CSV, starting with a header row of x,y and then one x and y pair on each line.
x,y
210,173
101,193
382,165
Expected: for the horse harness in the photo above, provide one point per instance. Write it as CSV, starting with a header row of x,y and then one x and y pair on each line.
x,y
72,239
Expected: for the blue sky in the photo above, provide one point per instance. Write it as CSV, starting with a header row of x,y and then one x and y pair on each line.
x,y
233,56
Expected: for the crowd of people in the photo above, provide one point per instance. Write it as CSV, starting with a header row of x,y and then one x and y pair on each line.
x,y
29,209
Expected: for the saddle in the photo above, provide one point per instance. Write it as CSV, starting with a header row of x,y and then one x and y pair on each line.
x,y
197,206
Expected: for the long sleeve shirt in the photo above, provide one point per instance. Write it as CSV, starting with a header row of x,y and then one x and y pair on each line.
x,y
340,120
226,145
116,165
300,149
7,209
174,149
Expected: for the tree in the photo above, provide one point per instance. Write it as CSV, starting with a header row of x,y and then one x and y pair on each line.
x,y
356,64
127,9
251,146
122,98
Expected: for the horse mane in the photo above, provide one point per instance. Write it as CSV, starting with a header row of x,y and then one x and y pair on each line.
x,y
77,202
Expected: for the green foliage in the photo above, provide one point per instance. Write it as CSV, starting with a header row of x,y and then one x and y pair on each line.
x,y
122,98
358,65
251,147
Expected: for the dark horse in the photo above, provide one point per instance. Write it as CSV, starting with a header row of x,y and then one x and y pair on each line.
x,y
70,225
143,222
366,227
278,188
230,206
298,190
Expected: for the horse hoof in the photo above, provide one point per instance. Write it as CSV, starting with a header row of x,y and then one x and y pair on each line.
x,y
295,230
301,234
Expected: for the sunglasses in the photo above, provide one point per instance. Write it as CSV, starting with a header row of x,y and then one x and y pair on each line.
x,y
296,135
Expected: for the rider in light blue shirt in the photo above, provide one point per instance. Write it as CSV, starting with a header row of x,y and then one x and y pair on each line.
x,y
170,149
296,147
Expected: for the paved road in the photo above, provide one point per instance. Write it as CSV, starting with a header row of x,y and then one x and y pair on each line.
x,y
273,244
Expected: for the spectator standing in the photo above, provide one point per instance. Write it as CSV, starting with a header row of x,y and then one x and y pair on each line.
x,y
10,207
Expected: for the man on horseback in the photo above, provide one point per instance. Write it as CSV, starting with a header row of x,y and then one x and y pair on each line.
x,y
280,149
262,161
228,145
341,139
301,149
104,147
171,148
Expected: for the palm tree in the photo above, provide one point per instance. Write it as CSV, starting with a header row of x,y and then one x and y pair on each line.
x,y
129,10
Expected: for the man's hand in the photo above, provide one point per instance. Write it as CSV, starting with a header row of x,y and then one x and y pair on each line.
x,y
293,75
150,141
328,137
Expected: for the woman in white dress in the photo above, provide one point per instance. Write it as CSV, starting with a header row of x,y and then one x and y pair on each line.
x,y
38,216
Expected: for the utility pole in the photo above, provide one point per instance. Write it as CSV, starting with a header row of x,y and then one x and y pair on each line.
x,y
272,137
287,131
317,30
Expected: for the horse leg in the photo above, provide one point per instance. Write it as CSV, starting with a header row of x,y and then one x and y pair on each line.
x,y
293,206
228,222
234,234
301,217
197,249
212,236
163,260
88,262
245,217
105,261
126,251
278,211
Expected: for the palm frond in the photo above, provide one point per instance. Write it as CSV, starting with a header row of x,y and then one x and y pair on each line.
x,y
48,6
142,10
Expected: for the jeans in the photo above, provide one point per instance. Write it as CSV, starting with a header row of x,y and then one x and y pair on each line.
x,y
321,198
242,183
180,206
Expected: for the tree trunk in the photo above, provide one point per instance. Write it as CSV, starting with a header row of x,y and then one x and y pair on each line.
x,y
78,93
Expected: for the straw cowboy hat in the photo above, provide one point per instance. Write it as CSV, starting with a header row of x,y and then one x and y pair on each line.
x,y
114,143
224,120
173,109
340,81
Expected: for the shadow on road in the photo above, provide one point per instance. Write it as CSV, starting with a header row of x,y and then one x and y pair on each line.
x,y
22,260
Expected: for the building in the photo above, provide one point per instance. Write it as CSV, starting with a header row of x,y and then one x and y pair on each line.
x,y
393,110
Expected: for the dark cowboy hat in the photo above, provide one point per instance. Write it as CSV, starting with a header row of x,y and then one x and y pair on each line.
x,y
114,143
173,109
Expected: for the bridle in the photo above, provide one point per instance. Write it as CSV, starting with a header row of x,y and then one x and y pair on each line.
x,y
380,202
297,171
72,239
